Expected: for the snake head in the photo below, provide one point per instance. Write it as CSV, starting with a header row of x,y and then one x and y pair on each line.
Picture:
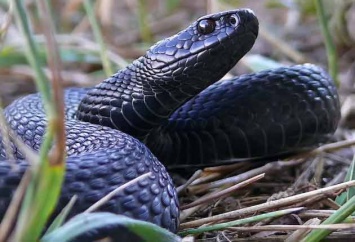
x,y
202,53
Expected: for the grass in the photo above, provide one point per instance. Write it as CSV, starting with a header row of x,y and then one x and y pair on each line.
x,y
209,198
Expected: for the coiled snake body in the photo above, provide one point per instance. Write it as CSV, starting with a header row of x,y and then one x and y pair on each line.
x,y
165,100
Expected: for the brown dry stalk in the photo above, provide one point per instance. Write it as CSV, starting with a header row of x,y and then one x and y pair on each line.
x,y
58,155
188,182
9,218
5,25
188,212
272,166
267,206
293,227
327,148
300,233
229,167
223,193
319,213
206,178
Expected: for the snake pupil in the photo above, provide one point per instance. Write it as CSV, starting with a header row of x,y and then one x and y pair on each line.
x,y
233,20
206,26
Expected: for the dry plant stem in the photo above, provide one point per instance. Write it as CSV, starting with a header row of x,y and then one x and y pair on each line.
x,y
5,131
206,178
293,227
226,168
272,166
268,205
331,203
7,22
9,218
312,200
317,213
327,148
223,193
58,156
188,212
188,182
82,26
188,239
106,11
106,198
300,233
238,222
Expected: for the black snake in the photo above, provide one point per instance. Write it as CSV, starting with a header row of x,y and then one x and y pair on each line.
x,y
171,100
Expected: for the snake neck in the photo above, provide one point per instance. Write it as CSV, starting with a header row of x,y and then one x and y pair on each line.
x,y
143,95
135,100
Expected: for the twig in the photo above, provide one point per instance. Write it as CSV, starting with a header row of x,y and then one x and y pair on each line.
x,y
327,148
272,166
223,193
58,156
268,205
7,22
188,182
240,221
206,178
300,233
8,220
293,227
323,214
5,135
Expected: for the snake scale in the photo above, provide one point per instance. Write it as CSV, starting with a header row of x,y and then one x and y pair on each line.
x,y
171,104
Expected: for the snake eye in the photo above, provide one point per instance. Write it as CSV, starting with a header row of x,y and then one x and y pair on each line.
x,y
206,26
233,20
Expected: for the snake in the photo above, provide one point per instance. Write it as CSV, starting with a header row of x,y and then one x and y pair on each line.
x,y
172,105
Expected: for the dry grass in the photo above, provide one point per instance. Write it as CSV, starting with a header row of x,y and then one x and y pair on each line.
x,y
218,194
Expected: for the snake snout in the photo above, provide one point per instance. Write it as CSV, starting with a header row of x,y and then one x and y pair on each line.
x,y
252,22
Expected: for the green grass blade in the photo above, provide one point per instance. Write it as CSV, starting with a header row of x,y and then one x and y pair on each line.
x,y
144,29
339,216
350,192
239,221
59,220
33,56
44,188
88,4
42,204
86,222
329,44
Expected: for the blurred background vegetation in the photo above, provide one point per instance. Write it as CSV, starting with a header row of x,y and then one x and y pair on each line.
x,y
289,34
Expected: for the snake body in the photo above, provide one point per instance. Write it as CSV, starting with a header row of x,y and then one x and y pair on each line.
x,y
165,100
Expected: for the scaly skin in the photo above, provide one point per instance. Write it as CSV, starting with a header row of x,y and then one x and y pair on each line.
x,y
135,100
